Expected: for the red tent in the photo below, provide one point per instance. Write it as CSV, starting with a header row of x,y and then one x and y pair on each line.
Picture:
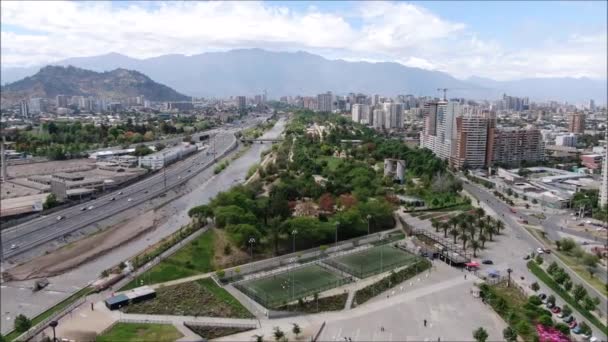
x,y
472,264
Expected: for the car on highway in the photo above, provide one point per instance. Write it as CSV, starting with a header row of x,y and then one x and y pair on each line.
x,y
13,246
129,199
120,192
91,207
113,199
145,192
59,218
487,262
83,208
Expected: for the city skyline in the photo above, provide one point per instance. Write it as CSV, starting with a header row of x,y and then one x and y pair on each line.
x,y
494,40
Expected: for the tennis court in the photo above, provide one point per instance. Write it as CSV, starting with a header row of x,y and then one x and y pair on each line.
x,y
282,288
372,261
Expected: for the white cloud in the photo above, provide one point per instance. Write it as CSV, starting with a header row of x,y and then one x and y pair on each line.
x,y
384,31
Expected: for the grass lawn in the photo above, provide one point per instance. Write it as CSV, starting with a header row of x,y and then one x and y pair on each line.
x,y
332,162
197,298
279,289
140,332
372,261
331,303
62,305
210,333
194,258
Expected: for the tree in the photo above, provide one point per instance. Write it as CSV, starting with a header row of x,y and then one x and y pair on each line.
x,y
142,150
454,232
326,202
588,304
22,323
475,246
590,260
566,310
539,259
50,202
258,338
567,285
296,329
585,329
546,320
535,287
551,299
552,268
563,328
567,244
278,334
579,292
509,334
480,334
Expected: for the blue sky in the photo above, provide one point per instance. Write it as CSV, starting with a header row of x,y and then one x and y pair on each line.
x,y
495,39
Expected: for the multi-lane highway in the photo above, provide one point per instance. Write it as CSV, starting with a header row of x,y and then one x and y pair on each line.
x,y
24,237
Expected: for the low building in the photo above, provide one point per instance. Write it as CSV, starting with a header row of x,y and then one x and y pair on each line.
x,y
592,161
158,160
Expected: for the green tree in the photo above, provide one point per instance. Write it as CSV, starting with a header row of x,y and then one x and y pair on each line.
x,y
535,287
509,334
480,334
551,299
588,303
278,334
567,285
258,338
539,259
22,323
50,202
590,260
579,292
552,268
567,311
296,329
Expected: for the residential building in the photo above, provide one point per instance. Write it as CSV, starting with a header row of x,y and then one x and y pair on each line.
x,y
62,101
360,113
379,118
468,148
180,106
512,146
592,161
325,102
241,102
309,103
576,122
394,115
25,109
566,140
604,184
438,127
36,105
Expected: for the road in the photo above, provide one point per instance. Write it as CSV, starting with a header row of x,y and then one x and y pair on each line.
x,y
41,230
527,241
17,296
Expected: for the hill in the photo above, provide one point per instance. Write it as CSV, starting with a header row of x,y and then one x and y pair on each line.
x,y
251,71
51,81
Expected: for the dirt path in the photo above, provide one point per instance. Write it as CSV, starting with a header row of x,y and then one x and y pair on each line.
x,y
89,248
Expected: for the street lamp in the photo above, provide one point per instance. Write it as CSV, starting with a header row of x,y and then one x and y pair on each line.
x,y
509,270
251,242
53,325
369,217
337,225
293,234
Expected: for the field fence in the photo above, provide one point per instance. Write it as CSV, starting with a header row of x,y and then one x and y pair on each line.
x,y
244,325
269,301
361,273
35,330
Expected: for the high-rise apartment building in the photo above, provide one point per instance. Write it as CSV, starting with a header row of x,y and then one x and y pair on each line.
x,y
470,140
360,113
241,102
576,122
379,118
62,101
438,128
25,109
568,140
325,102
512,146
591,105
36,105
394,115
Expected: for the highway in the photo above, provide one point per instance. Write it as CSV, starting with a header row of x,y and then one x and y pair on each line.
x,y
41,230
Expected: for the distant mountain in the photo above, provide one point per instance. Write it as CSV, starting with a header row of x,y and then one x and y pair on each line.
x,y
251,71
51,81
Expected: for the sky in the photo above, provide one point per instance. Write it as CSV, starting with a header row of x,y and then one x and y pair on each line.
x,y
501,40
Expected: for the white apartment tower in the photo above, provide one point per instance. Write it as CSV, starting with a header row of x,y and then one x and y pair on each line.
x,y
360,113
604,185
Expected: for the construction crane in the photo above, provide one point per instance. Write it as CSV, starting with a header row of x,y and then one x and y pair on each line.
x,y
445,90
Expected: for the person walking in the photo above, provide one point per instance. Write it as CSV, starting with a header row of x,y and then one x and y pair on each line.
x,y
425,322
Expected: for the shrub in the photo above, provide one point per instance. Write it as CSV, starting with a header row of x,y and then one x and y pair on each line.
x,y
22,323
534,300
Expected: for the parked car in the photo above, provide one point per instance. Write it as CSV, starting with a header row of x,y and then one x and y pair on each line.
x,y
543,297
550,305
572,324
568,319
527,257
556,309
540,250
547,251
487,262
577,329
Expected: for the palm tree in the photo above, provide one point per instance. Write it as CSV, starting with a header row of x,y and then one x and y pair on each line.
x,y
499,226
489,221
475,247
258,338
479,212
464,237
445,226
435,223
454,232
453,221
483,239
491,230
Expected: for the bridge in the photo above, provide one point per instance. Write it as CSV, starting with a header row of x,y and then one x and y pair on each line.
x,y
261,141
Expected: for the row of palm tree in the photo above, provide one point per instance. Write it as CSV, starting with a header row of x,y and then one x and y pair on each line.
x,y
476,228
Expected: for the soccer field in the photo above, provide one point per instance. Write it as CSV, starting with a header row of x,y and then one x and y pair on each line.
x,y
282,288
372,261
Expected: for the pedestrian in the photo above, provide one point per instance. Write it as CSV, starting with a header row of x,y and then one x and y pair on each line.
x,y
425,322
92,309
465,277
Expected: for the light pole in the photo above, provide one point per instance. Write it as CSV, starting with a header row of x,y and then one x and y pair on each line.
x,y
53,325
369,217
251,242
337,225
293,234
509,270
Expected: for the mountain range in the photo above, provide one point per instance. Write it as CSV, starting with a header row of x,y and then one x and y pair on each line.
x,y
251,71
51,81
